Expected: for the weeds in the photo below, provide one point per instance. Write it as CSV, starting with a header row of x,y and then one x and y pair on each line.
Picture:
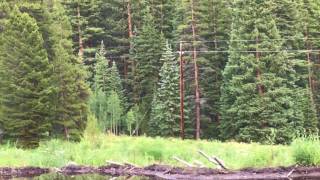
x,y
145,151
306,151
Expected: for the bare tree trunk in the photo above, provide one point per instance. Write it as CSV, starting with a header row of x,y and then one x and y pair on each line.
x,y
79,32
129,19
196,73
130,37
311,85
66,133
181,93
260,89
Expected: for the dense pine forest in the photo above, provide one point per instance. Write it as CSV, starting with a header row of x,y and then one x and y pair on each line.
x,y
243,70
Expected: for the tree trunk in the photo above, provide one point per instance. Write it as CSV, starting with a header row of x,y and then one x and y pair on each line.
x,y
308,46
129,19
181,93
79,32
260,89
196,73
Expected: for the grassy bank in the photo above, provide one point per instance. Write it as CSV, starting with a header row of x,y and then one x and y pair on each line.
x,y
145,151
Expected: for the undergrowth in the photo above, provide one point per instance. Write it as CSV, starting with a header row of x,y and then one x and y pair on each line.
x,y
95,150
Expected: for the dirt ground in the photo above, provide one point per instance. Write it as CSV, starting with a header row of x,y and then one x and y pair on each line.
x,y
173,173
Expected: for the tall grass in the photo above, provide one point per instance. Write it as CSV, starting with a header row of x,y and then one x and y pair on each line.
x,y
95,150
306,151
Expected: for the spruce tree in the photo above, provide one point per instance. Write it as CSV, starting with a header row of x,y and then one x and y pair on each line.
x,y
166,103
101,70
310,19
164,13
26,87
69,77
100,20
214,28
259,91
146,53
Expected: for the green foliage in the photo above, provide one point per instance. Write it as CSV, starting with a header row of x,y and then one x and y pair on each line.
x,y
247,113
133,120
100,20
145,151
69,78
115,112
164,120
146,53
68,93
98,106
102,70
92,129
108,92
306,151
25,84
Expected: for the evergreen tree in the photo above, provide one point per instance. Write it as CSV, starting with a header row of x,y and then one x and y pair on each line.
x,y
166,103
311,20
259,92
107,80
100,20
26,87
214,28
102,71
146,53
164,13
72,92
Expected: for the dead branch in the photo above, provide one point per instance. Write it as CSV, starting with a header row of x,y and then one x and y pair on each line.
x,y
130,164
214,160
114,163
183,161
290,173
198,163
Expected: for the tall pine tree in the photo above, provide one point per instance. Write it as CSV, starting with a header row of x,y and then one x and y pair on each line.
x,y
259,91
26,87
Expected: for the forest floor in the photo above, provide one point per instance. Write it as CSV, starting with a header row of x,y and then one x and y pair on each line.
x,y
157,157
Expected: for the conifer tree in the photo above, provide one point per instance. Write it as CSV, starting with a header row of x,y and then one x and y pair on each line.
x,y
146,53
164,13
107,80
166,103
69,76
26,87
310,12
214,28
101,70
259,88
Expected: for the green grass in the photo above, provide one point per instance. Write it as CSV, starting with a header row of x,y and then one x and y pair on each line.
x,y
306,151
145,151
